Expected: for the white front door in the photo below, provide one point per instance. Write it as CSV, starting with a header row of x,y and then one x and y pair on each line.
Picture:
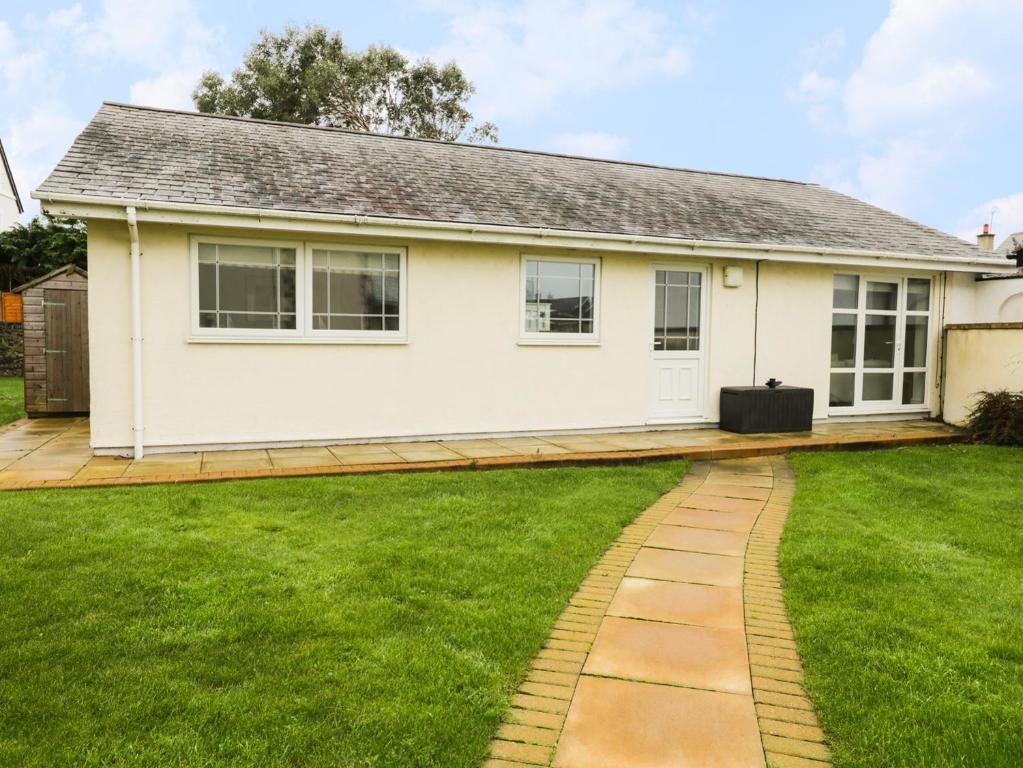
x,y
678,344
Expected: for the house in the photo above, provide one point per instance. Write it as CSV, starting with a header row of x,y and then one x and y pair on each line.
x,y
998,298
10,202
263,284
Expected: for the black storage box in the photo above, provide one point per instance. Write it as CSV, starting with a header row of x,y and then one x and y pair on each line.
x,y
762,409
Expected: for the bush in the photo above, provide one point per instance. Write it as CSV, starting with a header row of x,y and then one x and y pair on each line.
x,y
997,418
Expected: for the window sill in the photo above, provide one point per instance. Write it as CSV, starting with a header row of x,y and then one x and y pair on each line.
x,y
303,340
558,342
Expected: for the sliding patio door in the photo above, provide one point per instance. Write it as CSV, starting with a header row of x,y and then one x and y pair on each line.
x,y
880,328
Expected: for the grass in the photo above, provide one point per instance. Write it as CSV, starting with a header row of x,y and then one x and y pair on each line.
x,y
365,621
12,399
903,573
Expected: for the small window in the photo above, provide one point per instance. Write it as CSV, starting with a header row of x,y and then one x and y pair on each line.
x,y
355,291
560,300
247,287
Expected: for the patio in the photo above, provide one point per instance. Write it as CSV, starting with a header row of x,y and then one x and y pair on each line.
x,y
56,453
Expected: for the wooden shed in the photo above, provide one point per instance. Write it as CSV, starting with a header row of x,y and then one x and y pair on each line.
x,y
56,323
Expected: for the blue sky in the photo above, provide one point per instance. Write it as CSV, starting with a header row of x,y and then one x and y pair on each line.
x,y
913,104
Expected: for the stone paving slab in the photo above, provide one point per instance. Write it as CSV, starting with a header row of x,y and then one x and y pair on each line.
x,y
56,453
672,655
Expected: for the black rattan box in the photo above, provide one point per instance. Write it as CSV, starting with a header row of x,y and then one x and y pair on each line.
x,y
748,410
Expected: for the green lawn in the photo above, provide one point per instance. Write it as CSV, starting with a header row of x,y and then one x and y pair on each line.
x,y
364,621
12,399
903,573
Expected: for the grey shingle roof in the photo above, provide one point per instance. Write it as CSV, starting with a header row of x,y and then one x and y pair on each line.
x,y
164,156
10,178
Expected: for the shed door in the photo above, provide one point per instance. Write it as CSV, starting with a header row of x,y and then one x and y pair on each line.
x,y
67,351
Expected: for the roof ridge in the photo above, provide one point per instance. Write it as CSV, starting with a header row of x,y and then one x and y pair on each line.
x,y
488,147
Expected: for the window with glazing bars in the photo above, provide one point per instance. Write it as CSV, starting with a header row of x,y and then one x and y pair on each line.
x,y
246,286
677,310
356,291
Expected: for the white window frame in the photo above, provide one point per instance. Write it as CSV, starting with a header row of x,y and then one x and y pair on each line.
x,y
397,336
867,407
303,332
539,338
247,334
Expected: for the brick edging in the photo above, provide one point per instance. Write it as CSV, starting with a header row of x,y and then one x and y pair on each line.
x,y
531,728
791,735
768,447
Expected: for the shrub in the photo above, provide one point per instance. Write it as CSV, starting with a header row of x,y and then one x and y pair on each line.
x,y
997,418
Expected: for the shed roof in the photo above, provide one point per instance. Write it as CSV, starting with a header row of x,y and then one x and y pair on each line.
x,y
67,269
164,156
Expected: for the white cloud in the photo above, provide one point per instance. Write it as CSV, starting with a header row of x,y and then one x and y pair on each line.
x,y
527,57
1008,218
36,141
824,50
608,146
814,87
928,79
167,38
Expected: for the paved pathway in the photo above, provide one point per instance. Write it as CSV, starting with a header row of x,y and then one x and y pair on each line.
x,y
56,453
676,650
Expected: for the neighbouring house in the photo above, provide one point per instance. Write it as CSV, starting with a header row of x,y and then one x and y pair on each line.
x,y
10,203
999,298
256,283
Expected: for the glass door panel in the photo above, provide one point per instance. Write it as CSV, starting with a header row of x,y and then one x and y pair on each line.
x,y
879,342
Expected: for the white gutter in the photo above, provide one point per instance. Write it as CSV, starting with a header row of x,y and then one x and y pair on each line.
x,y
136,330
82,206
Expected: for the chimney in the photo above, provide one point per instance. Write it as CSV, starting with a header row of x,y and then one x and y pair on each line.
x,y
986,240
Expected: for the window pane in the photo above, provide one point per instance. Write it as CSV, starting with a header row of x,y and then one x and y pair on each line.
x,y
916,342
391,289
918,294
287,256
320,282
564,326
207,319
659,309
842,389
207,252
694,311
391,323
678,278
392,261
913,388
695,278
879,342
559,297
321,259
252,289
677,317
883,296
207,287
287,278
562,269
843,341
246,254
532,267
354,293
247,320
846,292
878,386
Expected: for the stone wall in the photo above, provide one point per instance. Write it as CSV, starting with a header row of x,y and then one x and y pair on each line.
x,y
11,349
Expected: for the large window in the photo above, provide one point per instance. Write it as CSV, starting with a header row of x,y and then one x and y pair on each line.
x,y
879,342
246,286
356,290
559,300
262,290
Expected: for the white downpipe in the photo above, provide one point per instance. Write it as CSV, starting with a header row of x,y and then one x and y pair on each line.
x,y
136,330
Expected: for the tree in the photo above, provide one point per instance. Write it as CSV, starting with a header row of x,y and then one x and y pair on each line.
x,y
309,76
27,252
